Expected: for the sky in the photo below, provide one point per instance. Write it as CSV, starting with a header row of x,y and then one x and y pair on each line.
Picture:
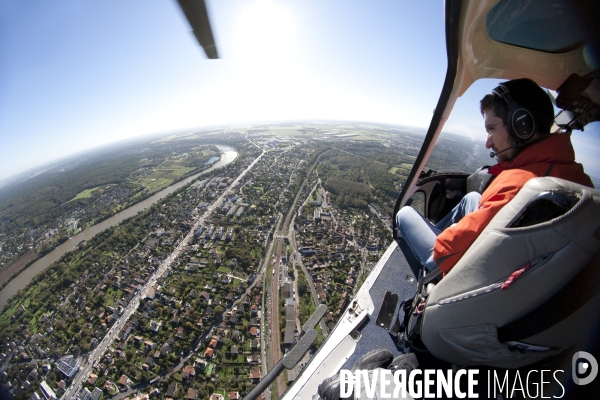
x,y
75,74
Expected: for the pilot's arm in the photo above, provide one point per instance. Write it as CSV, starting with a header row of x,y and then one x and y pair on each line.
x,y
454,241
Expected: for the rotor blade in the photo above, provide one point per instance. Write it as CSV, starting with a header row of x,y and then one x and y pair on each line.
x,y
197,15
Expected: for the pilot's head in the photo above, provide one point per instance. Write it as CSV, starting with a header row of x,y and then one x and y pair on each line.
x,y
517,113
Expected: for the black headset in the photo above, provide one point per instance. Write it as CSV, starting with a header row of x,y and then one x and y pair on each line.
x,y
520,121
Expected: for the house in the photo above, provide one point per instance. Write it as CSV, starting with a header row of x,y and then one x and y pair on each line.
x,y
234,396
171,390
254,374
288,337
179,333
200,364
208,353
155,326
188,372
253,359
191,395
33,374
150,294
234,350
216,396
47,392
123,381
68,366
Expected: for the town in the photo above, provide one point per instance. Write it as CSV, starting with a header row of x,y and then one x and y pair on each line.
x,y
186,298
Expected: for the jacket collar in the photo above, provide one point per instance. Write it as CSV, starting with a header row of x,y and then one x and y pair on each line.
x,y
555,148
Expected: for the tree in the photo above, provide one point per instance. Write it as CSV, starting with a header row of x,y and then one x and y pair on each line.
x,y
219,310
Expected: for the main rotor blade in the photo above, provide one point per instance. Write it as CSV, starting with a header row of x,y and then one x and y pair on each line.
x,y
197,16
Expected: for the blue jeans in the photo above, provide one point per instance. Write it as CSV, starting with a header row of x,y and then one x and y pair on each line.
x,y
420,234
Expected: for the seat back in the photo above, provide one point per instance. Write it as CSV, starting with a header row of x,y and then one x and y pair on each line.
x,y
466,308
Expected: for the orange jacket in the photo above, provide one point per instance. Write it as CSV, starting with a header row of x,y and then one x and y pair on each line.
x,y
553,156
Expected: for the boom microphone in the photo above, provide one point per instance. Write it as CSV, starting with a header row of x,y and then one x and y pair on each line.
x,y
492,154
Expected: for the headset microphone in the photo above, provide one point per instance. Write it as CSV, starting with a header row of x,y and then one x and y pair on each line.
x,y
494,154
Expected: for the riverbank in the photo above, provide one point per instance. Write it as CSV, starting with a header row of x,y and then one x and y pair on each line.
x,y
17,266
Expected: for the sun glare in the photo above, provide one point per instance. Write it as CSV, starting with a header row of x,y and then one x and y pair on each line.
x,y
266,33
265,50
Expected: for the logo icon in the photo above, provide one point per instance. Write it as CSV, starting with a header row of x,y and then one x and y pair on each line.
x,y
583,364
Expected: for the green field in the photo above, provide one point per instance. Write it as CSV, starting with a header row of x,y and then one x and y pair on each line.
x,y
182,171
153,184
361,132
86,194
186,136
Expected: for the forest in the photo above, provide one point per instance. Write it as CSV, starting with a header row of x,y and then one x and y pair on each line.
x,y
44,197
357,175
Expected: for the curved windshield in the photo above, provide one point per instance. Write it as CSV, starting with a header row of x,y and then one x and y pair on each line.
x,y
551,26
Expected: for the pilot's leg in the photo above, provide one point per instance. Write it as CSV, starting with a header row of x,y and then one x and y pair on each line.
x,y
469,203
419,234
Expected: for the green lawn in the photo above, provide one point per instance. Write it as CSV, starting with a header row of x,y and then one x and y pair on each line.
x,y
182,171
30,293
209,368
156,183
86,194
8,313
33,325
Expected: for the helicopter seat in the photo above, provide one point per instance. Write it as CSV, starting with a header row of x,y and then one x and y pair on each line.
x,y
528,287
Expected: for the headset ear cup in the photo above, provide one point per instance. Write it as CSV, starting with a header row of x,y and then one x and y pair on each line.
x,y
522,123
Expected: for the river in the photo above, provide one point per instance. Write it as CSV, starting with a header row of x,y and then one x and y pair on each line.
x,y
228,154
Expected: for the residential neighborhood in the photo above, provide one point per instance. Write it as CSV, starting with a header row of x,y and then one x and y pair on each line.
x,y
176,301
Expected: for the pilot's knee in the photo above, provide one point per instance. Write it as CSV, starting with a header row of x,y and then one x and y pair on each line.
x,y
471,202
404,215
473,196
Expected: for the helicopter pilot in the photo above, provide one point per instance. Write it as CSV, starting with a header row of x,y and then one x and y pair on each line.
x,y
518,116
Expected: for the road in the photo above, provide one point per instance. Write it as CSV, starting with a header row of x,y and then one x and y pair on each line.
x,y
274,327
94,356
311,285
275,342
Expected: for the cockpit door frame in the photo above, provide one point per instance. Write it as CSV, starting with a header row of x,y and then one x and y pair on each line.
x,y
444,106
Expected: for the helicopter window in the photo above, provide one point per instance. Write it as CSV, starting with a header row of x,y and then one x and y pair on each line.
x,y
538,24
418,202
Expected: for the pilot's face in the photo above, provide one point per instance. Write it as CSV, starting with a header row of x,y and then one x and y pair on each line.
x,y
498,137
